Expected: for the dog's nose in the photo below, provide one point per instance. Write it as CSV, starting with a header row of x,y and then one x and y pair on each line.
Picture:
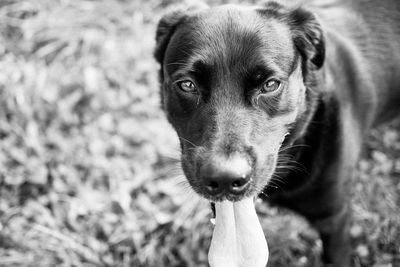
x,y
226,183
229,175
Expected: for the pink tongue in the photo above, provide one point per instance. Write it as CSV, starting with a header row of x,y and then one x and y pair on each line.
x,y
238,239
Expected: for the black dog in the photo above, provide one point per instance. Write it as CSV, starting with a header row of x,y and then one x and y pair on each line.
x,y
251,89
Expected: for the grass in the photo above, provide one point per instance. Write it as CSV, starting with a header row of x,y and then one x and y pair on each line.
x,y
88,170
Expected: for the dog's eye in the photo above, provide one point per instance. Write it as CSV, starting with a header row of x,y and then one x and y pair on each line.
x,y
187,86
271,86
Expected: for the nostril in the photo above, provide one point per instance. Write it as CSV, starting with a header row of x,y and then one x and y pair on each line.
x,y
212,185
239,183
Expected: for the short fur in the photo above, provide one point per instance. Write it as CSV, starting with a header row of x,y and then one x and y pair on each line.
x,y
339,63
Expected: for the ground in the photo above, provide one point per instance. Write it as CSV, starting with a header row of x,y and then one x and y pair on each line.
x,y
89,174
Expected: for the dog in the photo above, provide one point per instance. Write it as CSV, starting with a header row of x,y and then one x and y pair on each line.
x,y
252,89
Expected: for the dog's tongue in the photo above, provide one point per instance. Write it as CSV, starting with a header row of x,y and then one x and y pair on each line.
x,y
238,239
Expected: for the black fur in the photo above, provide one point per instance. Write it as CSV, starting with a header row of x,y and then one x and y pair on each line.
x,y
339,68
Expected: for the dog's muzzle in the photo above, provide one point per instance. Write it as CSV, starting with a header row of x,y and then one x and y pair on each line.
x,y
225,175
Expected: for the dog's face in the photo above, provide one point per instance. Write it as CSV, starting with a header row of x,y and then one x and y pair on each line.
x,y
233,86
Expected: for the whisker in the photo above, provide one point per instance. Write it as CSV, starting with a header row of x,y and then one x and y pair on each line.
x,y
263,193
293,146
189,142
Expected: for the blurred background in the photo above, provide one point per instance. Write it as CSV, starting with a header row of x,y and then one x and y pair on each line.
x,y
89,169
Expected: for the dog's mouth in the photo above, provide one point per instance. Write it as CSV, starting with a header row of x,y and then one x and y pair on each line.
x,y
231,179
226,195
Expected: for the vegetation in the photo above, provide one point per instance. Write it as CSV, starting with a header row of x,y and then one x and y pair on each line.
x,y
88,164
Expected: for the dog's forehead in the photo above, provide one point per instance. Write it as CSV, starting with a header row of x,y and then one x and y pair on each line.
x,y
232,36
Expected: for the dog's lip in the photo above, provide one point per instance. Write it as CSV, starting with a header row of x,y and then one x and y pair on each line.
x,y
223,196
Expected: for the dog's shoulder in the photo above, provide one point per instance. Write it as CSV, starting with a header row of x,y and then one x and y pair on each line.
x,y
362,54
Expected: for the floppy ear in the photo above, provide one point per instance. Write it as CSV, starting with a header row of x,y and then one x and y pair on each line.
x,y
168,24
308,36
166,27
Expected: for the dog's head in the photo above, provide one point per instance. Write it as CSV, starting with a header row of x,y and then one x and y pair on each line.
x,y
233,85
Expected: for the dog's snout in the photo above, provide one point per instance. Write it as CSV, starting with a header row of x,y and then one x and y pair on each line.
x,y
226,175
